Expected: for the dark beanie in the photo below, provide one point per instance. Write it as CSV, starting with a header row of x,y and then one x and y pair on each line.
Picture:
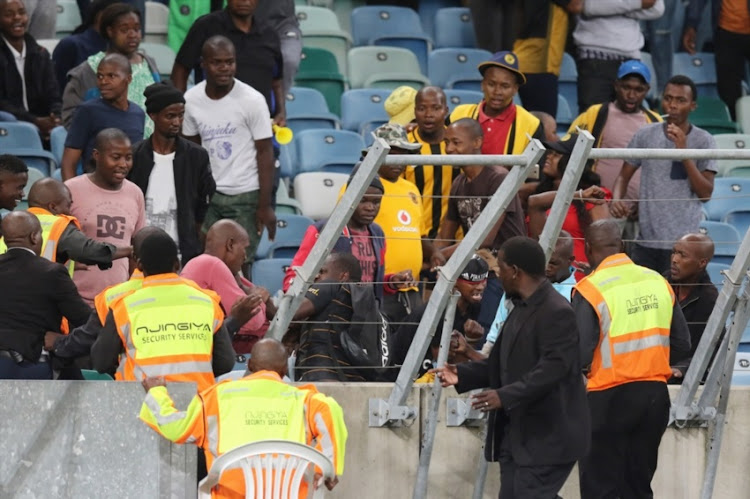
x,y
376,183
161,95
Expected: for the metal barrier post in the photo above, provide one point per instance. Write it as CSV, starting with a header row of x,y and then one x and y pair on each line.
x,y
384,412
428,439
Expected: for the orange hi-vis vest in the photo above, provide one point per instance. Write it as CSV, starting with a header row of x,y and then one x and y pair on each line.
x,y
103,301
167,328
634,305
53,227
237,412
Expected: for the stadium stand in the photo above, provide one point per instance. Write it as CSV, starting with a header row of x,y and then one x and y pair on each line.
x,y
384,67
318,69
22,139
320,29
362,106
317,192
453,28
306,109
270,272
290,230
456,68
328,150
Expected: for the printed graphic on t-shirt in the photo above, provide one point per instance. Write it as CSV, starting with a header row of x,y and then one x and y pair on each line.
x,y
363,251
163,216
469,210
217,139
107,226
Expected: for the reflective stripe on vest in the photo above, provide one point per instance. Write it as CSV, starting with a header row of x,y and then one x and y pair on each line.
x,y
53,227
634,306
277,412
167,330
104,300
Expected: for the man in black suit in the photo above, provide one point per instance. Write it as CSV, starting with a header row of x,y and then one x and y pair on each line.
x,y
35,294
538,423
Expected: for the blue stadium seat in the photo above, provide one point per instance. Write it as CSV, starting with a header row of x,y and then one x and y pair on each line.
x,y
57,142
729,194
453,28
290,229
328,150
269,273
391,26
567,84
384,67
22,139
457,68
652,91
361,106
739,218
699,67
306,109
367,129
288,159
564,116
428,9
458,97
714,272
731,141
7,116
726,240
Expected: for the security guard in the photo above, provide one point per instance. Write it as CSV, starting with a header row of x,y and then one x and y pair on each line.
x,y
169,327
630,326
257,407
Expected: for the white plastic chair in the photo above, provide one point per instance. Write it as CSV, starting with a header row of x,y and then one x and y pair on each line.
x,y
273,469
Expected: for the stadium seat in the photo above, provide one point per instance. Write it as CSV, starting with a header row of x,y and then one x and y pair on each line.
x,y
567,84
288,159
732,141
699,67
162,54
320,29
457,97
34,175
713,116
318,192
306,109
367,129
457,68
319,70
328,150
453,28
269,273
57,142
91,375
4,116
564,116
22,139
68,17
317,59
391,26
157,20
384,67
729,193
49,44
714,272
726,240
361,106
285,205
652,91
742,109
290,229
739,218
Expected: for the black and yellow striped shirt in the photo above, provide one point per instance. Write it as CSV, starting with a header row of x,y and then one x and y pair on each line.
x,y
434,184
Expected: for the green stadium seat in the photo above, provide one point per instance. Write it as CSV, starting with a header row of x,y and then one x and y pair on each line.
x,y
384,67
320,29
713,116
90,375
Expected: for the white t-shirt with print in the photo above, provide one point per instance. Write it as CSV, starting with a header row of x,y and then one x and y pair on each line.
x,y
161,198
228,128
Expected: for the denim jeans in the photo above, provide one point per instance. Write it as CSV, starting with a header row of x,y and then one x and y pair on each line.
x,y
661,43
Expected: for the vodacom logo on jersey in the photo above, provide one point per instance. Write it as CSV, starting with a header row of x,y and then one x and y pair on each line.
x,y
404,217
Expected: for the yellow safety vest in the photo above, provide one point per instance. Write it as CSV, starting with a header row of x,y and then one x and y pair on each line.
x,y
103,300
167,328
634,305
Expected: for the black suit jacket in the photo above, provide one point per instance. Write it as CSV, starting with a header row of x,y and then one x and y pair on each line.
x,y
535,369
194,187
35,294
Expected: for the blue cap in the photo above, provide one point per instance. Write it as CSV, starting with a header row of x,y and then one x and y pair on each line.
x,y
634,67
506,60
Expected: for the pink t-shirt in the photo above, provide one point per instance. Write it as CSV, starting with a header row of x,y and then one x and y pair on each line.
x,y
209,272
109,216
363,250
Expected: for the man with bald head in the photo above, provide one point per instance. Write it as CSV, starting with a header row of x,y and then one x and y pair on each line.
x,y
470,193
273,410
632,330
50,200
219,269
231,120
693,288
35,297
111,110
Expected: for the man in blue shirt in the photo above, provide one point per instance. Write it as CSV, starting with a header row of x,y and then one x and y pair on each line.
x,y
559,271
111,110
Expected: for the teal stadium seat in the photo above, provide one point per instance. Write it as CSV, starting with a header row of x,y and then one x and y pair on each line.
x,y
68,17
320,29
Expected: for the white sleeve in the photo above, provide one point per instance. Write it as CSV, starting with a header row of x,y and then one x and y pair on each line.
x,y
654,12
257,117
610,7
189,123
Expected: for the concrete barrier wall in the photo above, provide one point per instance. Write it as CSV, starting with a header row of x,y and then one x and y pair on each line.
x,y
83,439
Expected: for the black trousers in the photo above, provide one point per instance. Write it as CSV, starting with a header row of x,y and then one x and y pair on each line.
x,y
493,24
652,258
628,422
596,81
529,482
9,369
540,93
732,52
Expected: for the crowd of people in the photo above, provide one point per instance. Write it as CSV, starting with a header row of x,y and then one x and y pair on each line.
x,y
165,191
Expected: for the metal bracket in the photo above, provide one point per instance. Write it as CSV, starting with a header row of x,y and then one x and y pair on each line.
x,y
458,412
691,416
382,414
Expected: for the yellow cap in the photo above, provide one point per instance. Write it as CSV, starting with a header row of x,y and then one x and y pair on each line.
x,y
400,105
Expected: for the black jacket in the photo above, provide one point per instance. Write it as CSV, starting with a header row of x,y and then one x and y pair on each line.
x,y
35,294
194,187
696,308
42,91
535,368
